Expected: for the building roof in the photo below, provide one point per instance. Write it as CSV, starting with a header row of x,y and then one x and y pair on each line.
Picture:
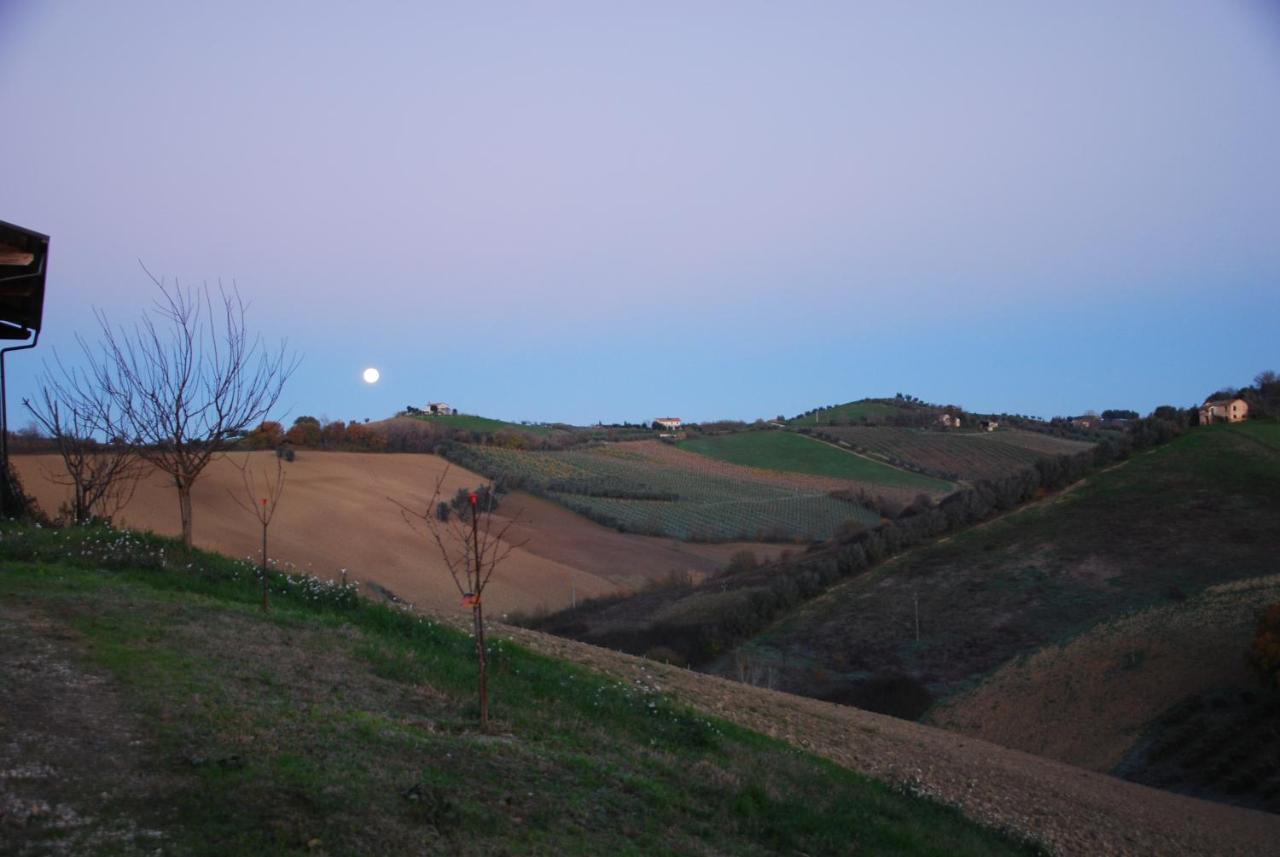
x,y
23,256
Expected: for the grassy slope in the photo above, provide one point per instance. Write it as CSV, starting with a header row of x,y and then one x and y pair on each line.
x,y
1202,510
1085,702
468,422
847,412
336,726
785,451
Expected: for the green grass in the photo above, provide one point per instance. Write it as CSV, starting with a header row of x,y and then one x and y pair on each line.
x,y
1201,510
484,425
795,453
340,726
848,412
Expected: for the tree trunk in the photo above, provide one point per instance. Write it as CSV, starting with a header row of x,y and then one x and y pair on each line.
x,y
265,603
82,508
184,509
477,614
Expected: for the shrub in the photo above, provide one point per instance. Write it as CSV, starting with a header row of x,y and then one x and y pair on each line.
x,y
1265,653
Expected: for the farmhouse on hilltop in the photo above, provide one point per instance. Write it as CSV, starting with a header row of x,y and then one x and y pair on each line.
x,y
990,425
440,409
1223,411
949,420
667,423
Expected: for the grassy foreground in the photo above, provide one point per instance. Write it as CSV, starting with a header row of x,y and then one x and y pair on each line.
x,y
795,453
333,725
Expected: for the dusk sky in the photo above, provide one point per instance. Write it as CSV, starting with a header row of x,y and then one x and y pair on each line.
x,y
603,211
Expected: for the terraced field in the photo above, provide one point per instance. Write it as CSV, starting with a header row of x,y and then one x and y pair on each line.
x,y
636,493
959,455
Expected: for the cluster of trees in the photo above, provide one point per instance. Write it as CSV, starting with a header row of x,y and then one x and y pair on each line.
x,y
487,499
410,435
1263,397
310,433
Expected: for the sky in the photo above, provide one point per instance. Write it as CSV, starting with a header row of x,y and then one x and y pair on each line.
x,y
590,212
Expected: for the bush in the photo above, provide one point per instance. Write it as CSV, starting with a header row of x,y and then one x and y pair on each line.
x,y
1265,653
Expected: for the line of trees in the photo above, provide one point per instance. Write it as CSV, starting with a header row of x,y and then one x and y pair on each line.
x,y
309,432
174,391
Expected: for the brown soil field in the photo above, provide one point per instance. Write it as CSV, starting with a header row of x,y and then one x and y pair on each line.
x,y
1087,702
338,512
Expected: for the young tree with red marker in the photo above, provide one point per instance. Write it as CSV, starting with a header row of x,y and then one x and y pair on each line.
x,y
473,543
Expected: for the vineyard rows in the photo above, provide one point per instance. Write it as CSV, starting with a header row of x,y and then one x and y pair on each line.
x,y
953,454
627,490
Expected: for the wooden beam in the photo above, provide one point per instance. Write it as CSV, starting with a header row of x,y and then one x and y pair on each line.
x,y
14,256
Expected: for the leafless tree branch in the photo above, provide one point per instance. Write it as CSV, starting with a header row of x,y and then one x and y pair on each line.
x,y
186,379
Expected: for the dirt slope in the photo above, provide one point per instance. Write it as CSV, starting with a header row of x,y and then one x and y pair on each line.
x,y
337,512
1086,703
1070,810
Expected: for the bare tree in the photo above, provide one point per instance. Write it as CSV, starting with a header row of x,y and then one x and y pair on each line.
x,y
102,475
186,379
473,543
260,499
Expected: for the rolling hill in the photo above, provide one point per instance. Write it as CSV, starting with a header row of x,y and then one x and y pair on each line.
x,y
339,511
1107,601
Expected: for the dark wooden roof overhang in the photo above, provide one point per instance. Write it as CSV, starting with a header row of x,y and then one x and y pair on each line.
x,y
24,257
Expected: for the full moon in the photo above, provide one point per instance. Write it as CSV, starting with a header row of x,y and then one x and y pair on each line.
x,y
371,375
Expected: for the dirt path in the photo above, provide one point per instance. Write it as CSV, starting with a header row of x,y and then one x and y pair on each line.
x,y
1070,810
76,772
